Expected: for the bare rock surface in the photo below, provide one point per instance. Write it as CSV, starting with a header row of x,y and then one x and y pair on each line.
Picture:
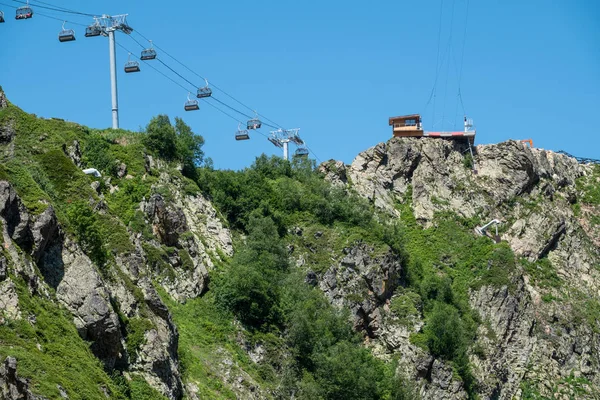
x,y
83,292
11,386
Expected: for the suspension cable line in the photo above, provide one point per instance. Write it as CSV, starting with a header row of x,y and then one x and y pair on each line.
x,y
450,53
437,61
59,9
462,58
212,84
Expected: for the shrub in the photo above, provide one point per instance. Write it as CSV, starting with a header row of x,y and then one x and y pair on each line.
x,y
445,332
84,223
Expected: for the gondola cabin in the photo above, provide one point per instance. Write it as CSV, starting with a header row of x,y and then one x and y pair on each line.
x,y
148,54
242,135
301,152
24,12
1,17
93,30
66,35
132,66
253,124
204,92
191,105
407,126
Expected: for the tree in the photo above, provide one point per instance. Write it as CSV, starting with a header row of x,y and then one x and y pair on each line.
x,y
175,143
161,138
189,148
250,286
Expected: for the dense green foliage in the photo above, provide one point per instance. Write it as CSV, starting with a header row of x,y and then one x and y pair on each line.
x,y
286,192
175,143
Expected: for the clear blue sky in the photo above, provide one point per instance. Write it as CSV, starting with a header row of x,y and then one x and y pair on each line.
x,y
336,69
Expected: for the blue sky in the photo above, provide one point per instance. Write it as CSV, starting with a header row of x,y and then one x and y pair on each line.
x,y
336,69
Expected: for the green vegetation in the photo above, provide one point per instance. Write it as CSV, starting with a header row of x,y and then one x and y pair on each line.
x,y
175,143
136,328
589,187
543,273
86,227
206,337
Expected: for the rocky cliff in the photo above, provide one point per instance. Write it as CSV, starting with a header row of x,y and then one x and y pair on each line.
x,y
540,330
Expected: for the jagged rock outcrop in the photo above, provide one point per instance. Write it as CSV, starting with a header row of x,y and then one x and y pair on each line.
x,y
83,292
74,153
11,386
507,338
7,131
15,214
334,172
363,281
167,222
3,99
190,224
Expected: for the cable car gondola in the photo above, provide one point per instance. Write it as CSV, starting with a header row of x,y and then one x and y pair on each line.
x,y
254,123
24,12
148,54
94,30
204,91
132,66
301,152
66,35
241,134
191,105
1,17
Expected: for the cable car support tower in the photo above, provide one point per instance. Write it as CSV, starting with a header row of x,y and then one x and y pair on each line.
x,y
107,25
282,137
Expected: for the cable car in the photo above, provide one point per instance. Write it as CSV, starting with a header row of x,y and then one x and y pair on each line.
x,y
132,66
191,105
66,35
93,30
148,54
204,91
241,134
254,123
1,17
301,152
24,12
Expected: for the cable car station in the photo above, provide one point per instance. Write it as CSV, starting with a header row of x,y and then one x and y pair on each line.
x,y
412,126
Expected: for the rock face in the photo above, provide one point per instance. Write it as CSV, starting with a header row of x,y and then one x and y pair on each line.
x,y
363,281
82,291
15,215
530,334
11,386
190,224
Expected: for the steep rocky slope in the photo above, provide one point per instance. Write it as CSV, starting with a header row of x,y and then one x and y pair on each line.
x,y
540,330
113,287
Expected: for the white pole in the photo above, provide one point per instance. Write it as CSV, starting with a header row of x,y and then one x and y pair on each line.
x,y
285,150
113,79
